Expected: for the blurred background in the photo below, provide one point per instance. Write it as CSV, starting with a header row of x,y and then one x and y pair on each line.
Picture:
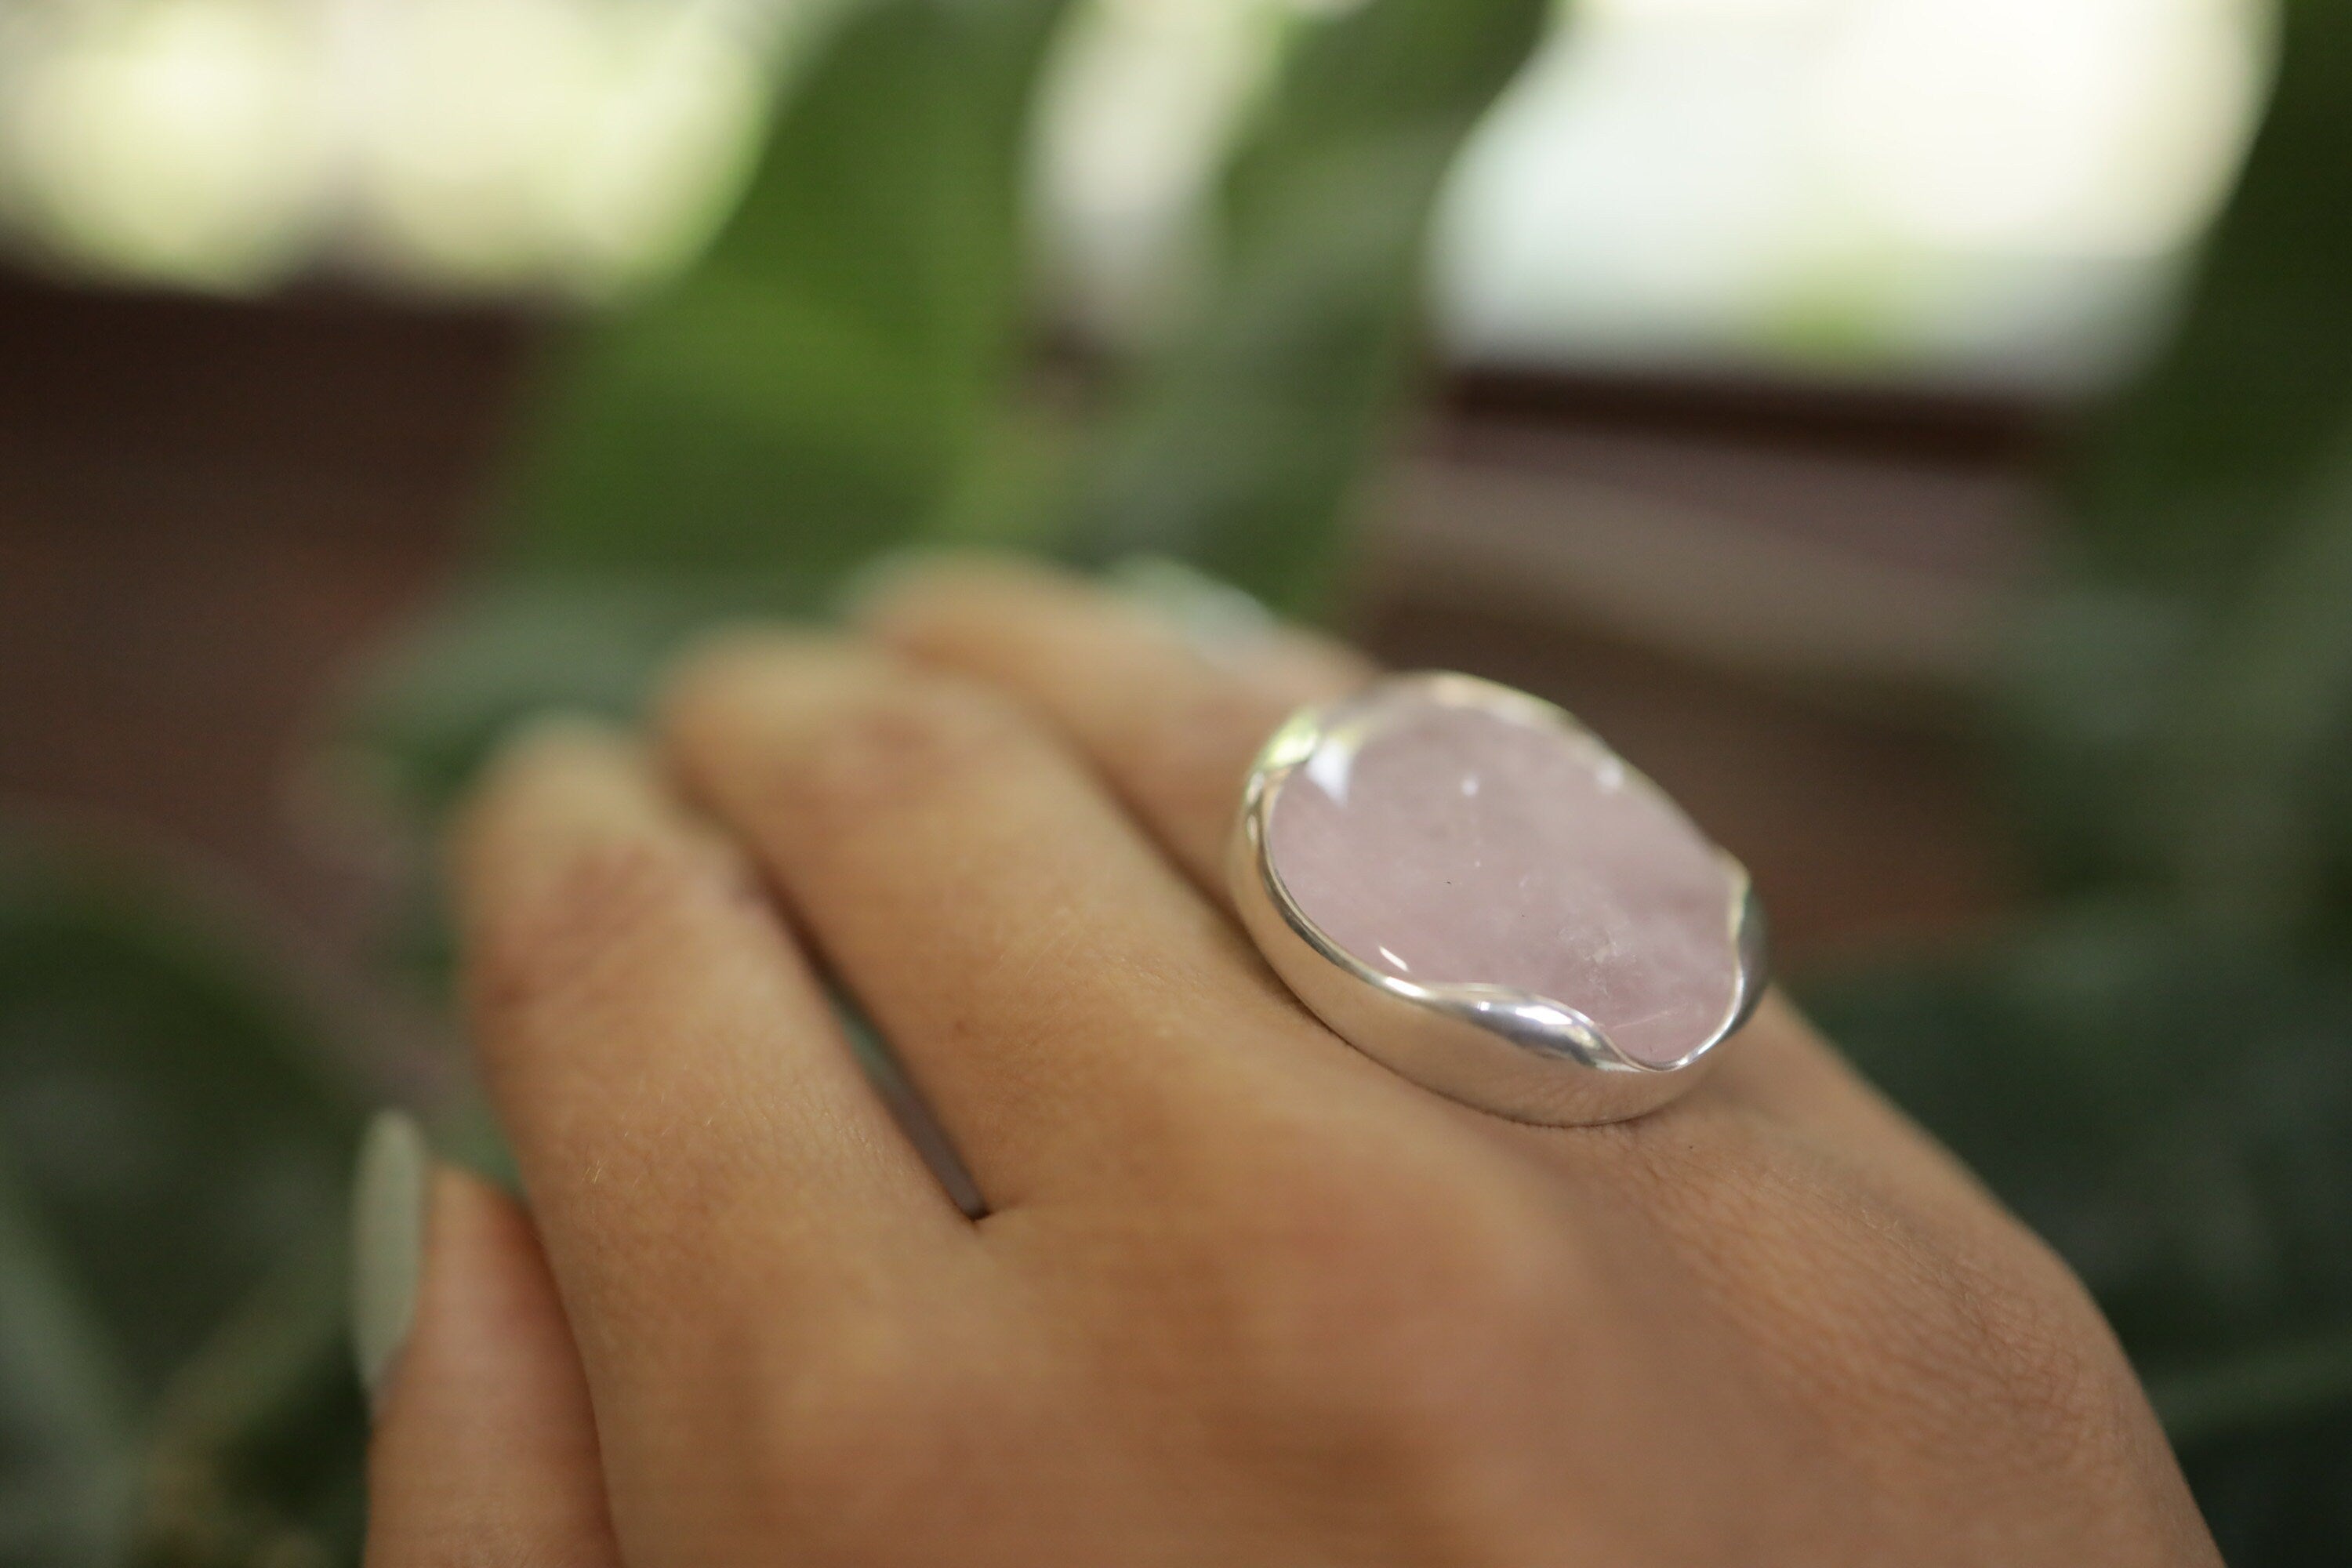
x,y
1916,431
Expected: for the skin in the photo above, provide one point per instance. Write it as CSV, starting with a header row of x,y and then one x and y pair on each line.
x,y
1241,1296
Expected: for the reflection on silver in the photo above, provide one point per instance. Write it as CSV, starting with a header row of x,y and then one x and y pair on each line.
x,y
1531,1058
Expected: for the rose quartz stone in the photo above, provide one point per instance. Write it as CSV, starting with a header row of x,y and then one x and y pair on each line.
x,y
1453,845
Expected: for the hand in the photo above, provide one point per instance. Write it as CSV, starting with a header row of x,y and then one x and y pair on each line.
x,y
1240,1295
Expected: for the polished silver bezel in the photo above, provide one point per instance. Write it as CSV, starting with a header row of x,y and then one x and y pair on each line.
x,y
1529,1058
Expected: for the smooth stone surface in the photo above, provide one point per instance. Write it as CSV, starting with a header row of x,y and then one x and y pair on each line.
x,y
1452,844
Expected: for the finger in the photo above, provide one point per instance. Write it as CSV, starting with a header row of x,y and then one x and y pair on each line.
x,y
1048,978
1172,721
485,1448
700,1148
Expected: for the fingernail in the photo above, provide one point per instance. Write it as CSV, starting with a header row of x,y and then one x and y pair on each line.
x,y
388,1199
1216,619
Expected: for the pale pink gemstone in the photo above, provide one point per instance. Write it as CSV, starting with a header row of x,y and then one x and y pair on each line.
x,y
1455,845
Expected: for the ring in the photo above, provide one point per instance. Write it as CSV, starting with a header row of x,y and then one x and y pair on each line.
x,y
1470,888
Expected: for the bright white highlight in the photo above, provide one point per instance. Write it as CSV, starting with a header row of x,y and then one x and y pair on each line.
x,y
1993,186
2087,127
187,142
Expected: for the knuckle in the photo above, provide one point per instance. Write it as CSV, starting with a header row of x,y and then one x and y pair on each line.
x,y
583,931
900,744
1198,754
1935,1324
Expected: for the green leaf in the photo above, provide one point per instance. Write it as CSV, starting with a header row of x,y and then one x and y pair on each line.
x,y
1246,440
807,393
172,1129
258,1444
2248,790
2187,479
2279,1496
67,1454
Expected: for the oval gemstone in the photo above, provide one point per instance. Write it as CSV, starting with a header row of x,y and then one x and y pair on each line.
x,y
1448,839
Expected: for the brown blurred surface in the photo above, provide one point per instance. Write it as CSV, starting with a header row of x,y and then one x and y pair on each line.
x,y
207,510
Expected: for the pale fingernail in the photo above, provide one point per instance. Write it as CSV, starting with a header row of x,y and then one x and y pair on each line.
x,y
1216,619
388,1199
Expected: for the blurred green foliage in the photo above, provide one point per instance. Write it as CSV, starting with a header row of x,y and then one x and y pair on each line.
x,y
818,381
174,1138
812,392
1240,449
2155,1068
2184,688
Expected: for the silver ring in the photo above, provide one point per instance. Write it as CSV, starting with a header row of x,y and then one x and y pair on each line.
x,y
1469,886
